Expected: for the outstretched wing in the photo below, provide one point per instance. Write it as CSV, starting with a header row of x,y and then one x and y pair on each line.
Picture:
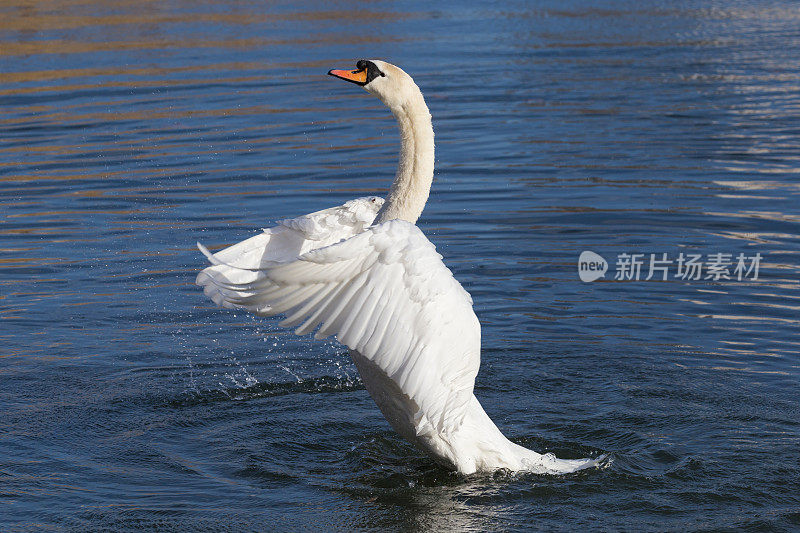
x,y
286,242
384,293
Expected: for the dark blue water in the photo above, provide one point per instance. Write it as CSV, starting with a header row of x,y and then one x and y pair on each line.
x,y
131,130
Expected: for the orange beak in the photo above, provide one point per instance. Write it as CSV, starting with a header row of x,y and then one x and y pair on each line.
x,y
356,76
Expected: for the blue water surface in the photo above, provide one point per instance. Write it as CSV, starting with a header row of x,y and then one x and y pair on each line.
x,y
129,131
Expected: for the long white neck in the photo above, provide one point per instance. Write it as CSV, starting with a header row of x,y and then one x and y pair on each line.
x,y
412,184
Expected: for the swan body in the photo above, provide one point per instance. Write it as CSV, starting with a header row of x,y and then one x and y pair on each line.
x,y
364,272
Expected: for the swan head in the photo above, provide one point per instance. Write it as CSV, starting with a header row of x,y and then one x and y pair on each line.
x,y
386,81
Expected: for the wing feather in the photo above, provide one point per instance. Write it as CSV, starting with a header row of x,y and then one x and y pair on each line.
x,y
300,314
237,268
383,292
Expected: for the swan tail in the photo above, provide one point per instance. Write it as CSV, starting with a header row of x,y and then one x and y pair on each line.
x,y
548,463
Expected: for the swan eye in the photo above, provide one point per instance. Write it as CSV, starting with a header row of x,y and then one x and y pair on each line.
x,y
372,69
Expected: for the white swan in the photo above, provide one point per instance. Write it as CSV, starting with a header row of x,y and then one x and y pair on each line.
x,y
367,274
